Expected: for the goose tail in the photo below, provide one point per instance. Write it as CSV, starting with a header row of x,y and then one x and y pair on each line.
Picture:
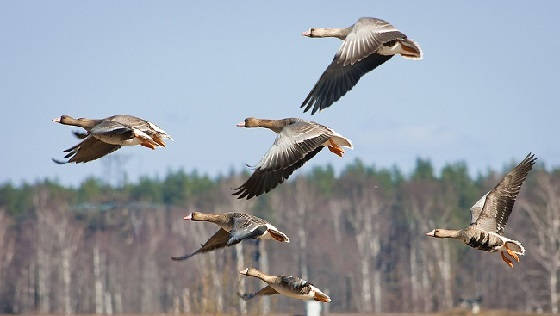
x,y
278,235
320,296
411,50
516,247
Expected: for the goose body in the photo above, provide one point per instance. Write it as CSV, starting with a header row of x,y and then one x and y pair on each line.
x,y
290,286
366,45
489,217
234,227
297,142
107,135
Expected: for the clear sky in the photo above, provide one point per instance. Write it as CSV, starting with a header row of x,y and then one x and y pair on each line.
x,y
486,91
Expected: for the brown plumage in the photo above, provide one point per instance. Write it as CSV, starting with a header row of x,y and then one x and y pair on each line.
x,y
234,227
367,44
104,136
489,216
290,286
297,142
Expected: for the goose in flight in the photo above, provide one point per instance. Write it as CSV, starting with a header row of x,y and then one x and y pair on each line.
x,y
290,286
367,44
234,227
490,214
107,135
297,142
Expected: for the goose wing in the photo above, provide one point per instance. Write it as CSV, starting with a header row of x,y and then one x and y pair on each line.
x,y
367,36
296,285
253,233
112,128
246,222
129,121
476,209
139,124
499,202
355,57
218,240
268,290
294,145
89,149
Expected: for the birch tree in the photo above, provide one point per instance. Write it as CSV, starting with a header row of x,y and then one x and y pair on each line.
x,y
544,215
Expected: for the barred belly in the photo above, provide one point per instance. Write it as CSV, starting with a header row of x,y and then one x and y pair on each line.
x,y
484,241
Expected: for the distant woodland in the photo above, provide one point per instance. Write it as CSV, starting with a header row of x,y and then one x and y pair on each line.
x,y
358,234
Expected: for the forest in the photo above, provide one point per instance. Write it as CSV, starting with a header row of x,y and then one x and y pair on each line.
x,y
359,234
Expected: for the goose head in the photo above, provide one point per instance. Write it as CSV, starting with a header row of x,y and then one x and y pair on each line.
x,y
249,272
249,122
432,233
64,119
445,233
80,122
194,216
309,32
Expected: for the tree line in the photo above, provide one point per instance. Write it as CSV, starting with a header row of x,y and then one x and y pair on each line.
x,y
104,249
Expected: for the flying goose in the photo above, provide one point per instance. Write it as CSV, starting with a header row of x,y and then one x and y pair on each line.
x,y
490,214
297,142
106,135
367,44
291,286
234,227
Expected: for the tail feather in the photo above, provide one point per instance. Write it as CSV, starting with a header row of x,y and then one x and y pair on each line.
x,y
280,236
410,49
321,297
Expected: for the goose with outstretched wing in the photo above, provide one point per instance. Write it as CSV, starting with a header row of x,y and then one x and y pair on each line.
x,y
290,286
366,45
234,227
489,216
297,142
104,136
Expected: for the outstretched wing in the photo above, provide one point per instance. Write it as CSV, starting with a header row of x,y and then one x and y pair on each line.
x,y
499,201
264,291
295,144
218,240
89,149
339,79
476,209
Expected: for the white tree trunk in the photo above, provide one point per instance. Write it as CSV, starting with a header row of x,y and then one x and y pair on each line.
x,y
426,286
97,280
263,265
302,238
554,290
241,284
217,284
447,280
108,304
118,303
414,283
375,247
42,271
186,301
366,287
67,280
377,290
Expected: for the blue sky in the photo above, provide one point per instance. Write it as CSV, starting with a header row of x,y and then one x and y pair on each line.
x,y
485,93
